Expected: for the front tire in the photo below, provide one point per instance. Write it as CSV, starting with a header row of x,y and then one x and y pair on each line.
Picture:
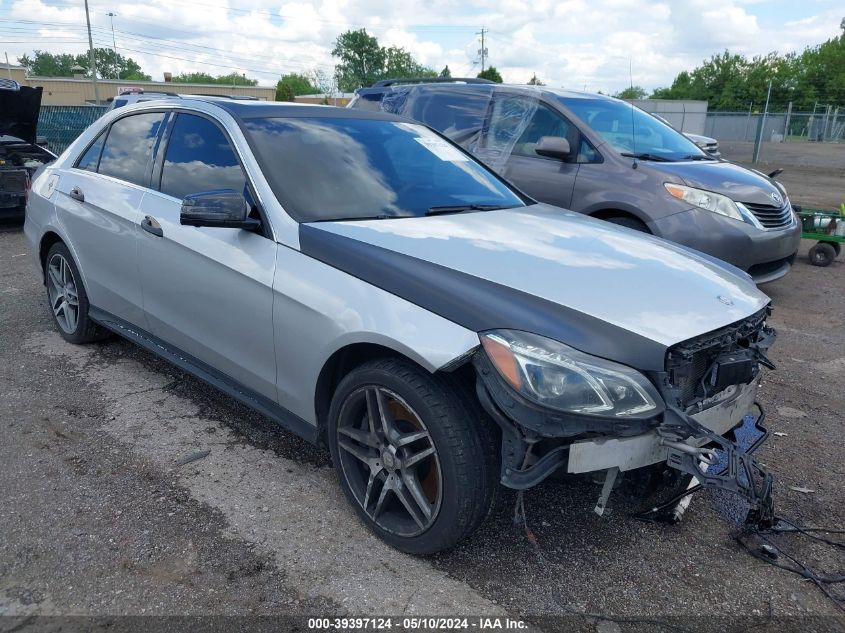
x,y
67,297
414,456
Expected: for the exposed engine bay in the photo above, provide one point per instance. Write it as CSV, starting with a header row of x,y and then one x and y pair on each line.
x,y
709,387
18,163
20,152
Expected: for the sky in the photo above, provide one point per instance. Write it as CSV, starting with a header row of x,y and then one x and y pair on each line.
x,y
577,44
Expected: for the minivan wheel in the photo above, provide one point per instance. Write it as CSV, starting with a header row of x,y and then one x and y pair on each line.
x,y
414,456
68,300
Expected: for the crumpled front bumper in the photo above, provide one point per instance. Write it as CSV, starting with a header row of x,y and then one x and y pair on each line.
x,y
627,453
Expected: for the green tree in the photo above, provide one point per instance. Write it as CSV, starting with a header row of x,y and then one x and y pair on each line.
x,y
732,82
110,65
293,84
361,60
491,73
284,92
633,92
232,79
446,72
399,63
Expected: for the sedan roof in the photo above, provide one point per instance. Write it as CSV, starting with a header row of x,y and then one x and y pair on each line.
x,y
275,109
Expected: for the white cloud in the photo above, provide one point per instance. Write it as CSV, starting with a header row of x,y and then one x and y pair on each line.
x,y
569,43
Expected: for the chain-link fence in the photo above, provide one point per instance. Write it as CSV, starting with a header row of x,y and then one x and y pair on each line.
x,y
826,126
60,125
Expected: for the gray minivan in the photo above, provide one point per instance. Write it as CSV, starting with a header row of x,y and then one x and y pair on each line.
x,y
603,157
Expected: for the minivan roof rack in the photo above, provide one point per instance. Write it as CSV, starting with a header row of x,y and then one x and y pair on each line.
x,y
431,80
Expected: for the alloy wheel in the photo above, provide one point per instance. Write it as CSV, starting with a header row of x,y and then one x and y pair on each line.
x,y
389,461
62,292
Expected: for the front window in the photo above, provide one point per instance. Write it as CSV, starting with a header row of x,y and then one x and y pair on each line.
x,y
335,169
632,132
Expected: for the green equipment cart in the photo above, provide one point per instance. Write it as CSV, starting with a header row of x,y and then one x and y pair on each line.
x,y
828,228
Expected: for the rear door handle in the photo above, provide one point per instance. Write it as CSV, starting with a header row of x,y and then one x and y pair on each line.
x,y
151,225
76,194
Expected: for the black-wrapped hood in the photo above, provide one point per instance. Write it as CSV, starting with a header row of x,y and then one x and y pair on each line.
x,y
19,112
605,290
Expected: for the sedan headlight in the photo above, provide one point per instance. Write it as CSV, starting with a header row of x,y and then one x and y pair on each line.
x,y
557,376
715,202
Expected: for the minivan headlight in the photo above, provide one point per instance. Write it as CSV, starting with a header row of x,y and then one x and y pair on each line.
x,y
711,201
557,376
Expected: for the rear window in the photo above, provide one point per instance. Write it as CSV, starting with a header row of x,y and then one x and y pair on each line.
x,y
334,169
129,146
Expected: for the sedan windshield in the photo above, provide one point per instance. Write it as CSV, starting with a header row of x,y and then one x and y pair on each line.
x,y
632,132
323,169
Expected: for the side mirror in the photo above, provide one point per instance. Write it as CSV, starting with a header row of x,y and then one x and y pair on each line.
x,y
223,208
553,147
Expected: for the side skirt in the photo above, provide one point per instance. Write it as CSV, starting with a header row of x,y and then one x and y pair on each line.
x,y
288,420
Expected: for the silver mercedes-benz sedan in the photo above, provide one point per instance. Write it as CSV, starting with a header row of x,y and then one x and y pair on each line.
x,y
371,287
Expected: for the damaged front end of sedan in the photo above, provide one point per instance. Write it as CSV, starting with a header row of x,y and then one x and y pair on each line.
x,y
562,410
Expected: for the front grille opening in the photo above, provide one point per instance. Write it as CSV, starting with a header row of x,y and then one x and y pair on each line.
x,y
688,363
771,217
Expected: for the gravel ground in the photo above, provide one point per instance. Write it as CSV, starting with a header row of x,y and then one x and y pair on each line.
x,y
814,173
98,518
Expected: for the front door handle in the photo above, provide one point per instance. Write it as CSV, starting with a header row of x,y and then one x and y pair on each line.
x,y
151,225
76,194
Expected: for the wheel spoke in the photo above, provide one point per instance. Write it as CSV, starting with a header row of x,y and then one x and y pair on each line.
x,y
379,415
381,498
416,458
355,450
362,437
55,279
410,504
60,307
375,476
412,484
408,438
70,316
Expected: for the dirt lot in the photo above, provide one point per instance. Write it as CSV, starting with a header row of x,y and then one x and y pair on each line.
x,y
98,517
814,173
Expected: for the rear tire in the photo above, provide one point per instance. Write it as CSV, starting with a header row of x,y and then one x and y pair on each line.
x,y
420,495
822,254
67,297
629,222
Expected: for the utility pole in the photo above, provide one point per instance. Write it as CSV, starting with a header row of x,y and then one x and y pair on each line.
x,y
93,62
8,68
483,50
114,44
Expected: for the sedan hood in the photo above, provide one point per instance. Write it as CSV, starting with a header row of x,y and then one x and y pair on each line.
x,y
19,109
601,288
735,182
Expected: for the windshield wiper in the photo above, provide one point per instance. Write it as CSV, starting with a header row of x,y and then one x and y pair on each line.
x,y
698,157
462,208
647,156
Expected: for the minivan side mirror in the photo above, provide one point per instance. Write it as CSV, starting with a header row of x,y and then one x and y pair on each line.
x,y
223,208
553,147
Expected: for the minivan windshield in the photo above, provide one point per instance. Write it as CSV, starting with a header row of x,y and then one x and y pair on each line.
x,y
323,169
632,132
